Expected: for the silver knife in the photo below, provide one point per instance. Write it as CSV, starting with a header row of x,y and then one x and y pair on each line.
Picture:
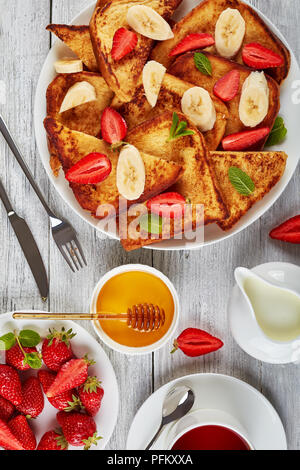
x,y
28,245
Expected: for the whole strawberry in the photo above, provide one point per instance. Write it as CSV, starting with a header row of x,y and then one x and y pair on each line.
x,y
10,384
79,429
65,400
20,428
56,348
33,399
6,409
15,357
7,439
71,375
52,440
91,394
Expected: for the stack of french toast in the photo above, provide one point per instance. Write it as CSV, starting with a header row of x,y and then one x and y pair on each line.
x,y
154,119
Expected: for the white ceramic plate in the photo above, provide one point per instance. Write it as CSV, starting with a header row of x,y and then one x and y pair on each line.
x,y
213,234
213,391
82,343
244,327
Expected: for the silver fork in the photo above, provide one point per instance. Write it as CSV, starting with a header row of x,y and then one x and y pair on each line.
x,y
63,233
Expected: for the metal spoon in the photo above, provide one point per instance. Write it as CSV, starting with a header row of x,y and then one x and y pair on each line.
x,y
177,403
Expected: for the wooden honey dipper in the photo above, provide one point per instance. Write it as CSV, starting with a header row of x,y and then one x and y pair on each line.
x,y
141,317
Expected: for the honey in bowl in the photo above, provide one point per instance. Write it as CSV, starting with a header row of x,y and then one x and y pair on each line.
x,y
125,290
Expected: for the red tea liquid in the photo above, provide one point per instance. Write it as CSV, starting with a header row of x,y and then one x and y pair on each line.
x,y
211,438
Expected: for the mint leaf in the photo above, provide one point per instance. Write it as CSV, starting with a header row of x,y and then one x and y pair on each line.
x,y
29,338
202,63
151,223
33,360
7,341
241,181
278,133
178,129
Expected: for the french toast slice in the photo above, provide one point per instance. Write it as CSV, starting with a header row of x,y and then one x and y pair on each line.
x,y
78,39
71,146
85,117
197,184
264,168
184,68
123,76
203,19
172,89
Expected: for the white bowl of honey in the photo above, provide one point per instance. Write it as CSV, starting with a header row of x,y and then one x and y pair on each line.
x,y
126,286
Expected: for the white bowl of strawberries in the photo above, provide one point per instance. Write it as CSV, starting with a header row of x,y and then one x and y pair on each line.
x,y
58,389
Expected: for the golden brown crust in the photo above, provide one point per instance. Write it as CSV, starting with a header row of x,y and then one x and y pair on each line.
x,y
203,19
78,39
125,75
197,184
184,67
264,168
139,110
133,238
71,146
84,118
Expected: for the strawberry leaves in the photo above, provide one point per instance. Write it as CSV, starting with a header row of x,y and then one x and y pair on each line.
x,y
178,129
29,338
7,341
25,339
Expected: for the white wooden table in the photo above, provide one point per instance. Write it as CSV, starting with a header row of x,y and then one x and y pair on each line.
x,y
203,278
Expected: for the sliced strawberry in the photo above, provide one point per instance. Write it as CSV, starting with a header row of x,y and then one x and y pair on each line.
x,y
169,205
20,428
228,86
124,41
191,42
62,401
6,409
91,169
33,399
7,439
245,140
289,231
259,57
113,126
71,375
10,384
53,440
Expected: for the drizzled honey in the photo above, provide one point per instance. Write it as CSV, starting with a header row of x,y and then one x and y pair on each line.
x,y
127,289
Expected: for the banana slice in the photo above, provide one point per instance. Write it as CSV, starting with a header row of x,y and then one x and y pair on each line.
x,y
131,174
254,102
68,65
198,106
149,23
230,32
153,75
80,93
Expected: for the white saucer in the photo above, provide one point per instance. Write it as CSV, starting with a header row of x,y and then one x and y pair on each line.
x,y
244,327
82,343
213,391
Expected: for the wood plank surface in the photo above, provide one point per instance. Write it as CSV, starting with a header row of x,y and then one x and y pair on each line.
x,y
203,278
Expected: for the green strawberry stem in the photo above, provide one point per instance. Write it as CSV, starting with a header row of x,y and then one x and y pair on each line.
x,y
76,404
27,356
91,440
